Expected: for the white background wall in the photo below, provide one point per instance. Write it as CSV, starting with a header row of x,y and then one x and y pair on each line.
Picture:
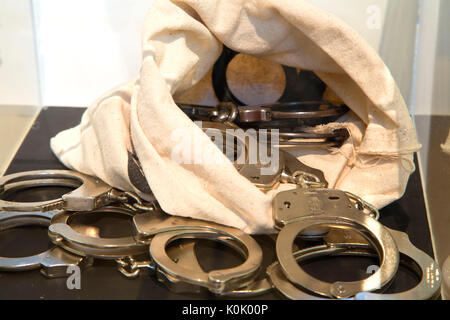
x,y
87,47
18,66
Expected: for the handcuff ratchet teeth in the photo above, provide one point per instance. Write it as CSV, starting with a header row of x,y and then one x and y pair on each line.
x,y
53,262
297,211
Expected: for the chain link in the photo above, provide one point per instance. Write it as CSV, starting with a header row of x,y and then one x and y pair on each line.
x,y
364,206
132,201
131,268
224,112
307,180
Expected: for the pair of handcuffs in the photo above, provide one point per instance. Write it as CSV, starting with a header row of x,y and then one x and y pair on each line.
x,y
300,106
90,195
76,247
289,118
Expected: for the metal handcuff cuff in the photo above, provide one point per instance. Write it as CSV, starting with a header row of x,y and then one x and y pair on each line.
x,y
184,255
158,230
298,210
274,116
349,243
63,235
53,262
91,195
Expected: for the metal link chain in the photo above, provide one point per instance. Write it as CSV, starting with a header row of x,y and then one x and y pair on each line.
x,y
131,268
131,201
363,205
224,112
307,180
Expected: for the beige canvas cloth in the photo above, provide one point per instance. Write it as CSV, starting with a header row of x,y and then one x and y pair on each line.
x,y
180,43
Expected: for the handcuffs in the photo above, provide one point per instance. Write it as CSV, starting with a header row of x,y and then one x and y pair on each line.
x,y
53,262
159,229
63,235
72,248
91,193
309,212
287,117
299,107
346,244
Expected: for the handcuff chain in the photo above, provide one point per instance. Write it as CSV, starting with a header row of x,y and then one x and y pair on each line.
x,y
362,205
131,201
307,180
224,112
131,268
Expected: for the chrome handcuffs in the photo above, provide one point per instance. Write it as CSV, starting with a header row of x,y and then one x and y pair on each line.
x,y
159,229
349,243
298,210
289,169
345,224
90,195
92,245
53,262
288,118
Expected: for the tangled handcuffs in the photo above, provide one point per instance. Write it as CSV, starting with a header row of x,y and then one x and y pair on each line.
x,y
346,224
297,109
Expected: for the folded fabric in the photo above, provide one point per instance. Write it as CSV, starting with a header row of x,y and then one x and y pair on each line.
x,y
137,130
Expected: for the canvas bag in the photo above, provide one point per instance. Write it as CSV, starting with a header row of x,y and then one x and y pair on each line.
x,y
129,136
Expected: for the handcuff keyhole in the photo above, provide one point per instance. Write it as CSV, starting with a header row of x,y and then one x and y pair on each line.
x,y
287,204
333,198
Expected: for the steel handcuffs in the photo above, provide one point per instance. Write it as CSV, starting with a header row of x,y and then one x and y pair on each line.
x,y
54,262
228,113
413,258
217,281
289,169
63,235
184,254
298,210
91,193
346,244
160,230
